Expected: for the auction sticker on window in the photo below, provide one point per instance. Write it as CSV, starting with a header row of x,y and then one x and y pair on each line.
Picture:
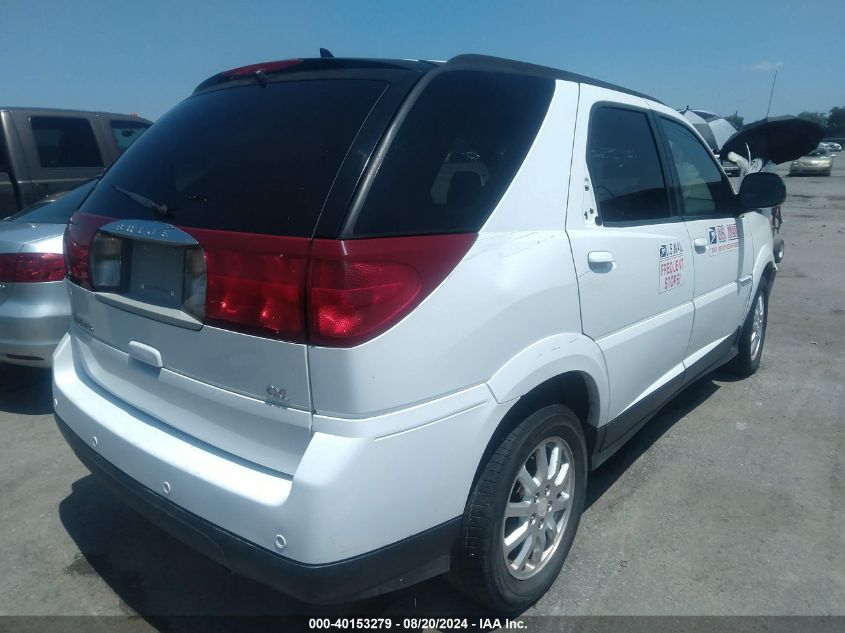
x,y
671,265
721,238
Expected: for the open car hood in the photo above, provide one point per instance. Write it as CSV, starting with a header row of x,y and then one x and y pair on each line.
x,y
777,139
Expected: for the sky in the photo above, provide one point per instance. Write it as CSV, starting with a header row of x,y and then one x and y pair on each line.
x,y
145,57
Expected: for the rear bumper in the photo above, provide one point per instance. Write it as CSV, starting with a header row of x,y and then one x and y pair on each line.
x,y
370,507
33,319
389,568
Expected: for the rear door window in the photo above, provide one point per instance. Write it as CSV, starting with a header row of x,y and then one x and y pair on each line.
x,y
454,155
251,159
67,142
625,167
127,132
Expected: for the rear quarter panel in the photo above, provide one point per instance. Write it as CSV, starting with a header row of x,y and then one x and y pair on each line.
x,y
516,286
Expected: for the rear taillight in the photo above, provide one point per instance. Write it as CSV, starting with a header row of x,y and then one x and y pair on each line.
x,y
255,283
106,261
194,283
78,235
337,293
357,289
25,268
8,265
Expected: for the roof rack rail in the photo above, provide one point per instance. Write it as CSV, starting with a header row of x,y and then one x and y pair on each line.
x,y
501,64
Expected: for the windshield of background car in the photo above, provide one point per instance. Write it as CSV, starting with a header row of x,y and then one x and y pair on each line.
x,y
55,211
127,132
252,158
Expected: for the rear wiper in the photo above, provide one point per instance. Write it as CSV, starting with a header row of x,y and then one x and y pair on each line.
x,y
159,208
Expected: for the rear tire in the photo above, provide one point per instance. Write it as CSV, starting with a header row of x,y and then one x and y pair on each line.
x,y
523,512
753,334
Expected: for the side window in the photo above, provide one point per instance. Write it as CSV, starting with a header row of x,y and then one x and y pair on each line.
x,y
65,142
455,154
624,166
703,188
127,132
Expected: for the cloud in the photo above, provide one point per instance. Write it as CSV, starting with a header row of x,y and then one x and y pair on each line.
x,y
765,66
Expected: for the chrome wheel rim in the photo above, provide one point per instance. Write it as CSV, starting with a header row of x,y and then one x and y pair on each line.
x,y
757,326
538,508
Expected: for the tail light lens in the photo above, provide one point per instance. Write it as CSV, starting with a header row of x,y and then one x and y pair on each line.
x,y
8,265
78,235
336,293
106,261
195,284
32,267
358,289
255,283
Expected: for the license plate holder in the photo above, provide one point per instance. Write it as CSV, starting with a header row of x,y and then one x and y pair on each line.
x,y
156,274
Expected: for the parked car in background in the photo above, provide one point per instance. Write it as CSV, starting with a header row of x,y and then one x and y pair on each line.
x,y
819,162
834,146
34,304
830,147
44,151
293,350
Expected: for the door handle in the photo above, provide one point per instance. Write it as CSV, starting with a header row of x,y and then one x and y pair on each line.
x,y
601,259
700,244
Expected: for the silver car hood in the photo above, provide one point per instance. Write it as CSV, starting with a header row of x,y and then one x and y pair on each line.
x,y
34,238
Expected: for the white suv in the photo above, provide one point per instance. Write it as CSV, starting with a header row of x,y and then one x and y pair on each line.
x,y
345,325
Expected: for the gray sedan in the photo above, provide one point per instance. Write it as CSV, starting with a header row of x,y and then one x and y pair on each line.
x,y
34,305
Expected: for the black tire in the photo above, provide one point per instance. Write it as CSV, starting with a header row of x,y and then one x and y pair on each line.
x,y
478,568
745,363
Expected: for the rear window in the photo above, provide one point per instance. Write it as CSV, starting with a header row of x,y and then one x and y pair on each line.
x,y
455,154
65,142
56,211
127,132
625,167
253,159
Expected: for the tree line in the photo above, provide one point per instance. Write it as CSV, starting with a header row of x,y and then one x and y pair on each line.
x,y
833,122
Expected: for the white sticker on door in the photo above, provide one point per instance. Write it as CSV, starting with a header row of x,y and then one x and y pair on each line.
x,y
670,258
721,238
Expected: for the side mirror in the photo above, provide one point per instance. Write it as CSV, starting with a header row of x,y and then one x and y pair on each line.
x,y
761,190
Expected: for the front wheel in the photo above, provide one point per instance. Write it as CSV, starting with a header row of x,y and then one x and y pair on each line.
x,y
523,512
752,335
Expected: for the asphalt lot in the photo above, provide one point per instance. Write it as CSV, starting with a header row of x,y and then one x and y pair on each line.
x,y
730,502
